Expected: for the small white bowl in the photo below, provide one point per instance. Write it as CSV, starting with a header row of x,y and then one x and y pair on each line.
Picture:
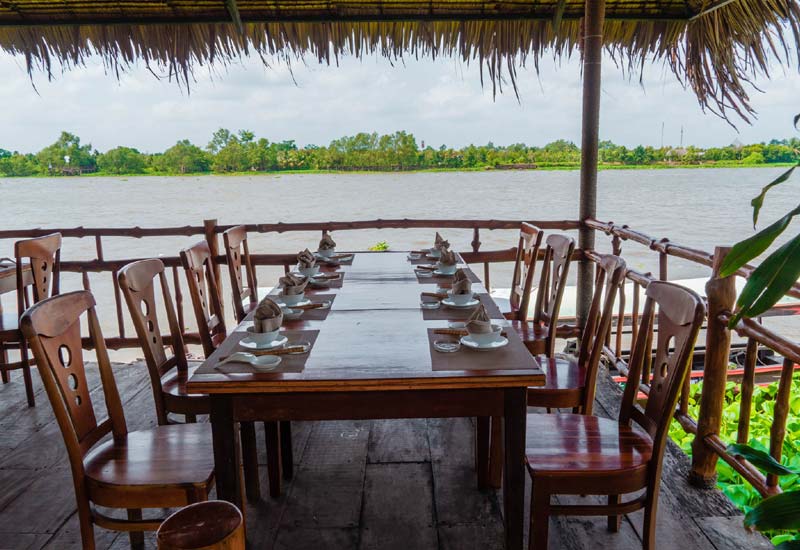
x,y
486,338
262,338
446,269
460,299
308,271
327,253
292,299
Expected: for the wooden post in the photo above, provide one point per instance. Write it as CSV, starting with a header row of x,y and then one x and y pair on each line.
x,y
721,293
594,20
210,227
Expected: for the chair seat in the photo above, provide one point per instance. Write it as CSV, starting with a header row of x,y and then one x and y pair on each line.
x,y
174,382
562,373
529,331
148,464
576,445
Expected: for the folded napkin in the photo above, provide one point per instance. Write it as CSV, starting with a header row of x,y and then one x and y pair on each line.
x,y
439,243
461,283
268,316
479,321
293,284
327,243
306,259
448,257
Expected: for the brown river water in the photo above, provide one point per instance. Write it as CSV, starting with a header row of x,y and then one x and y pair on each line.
x,y
695,207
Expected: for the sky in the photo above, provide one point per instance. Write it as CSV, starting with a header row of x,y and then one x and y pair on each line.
x,y
440,102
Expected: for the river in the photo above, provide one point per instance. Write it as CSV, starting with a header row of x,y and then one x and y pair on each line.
x,y
696,207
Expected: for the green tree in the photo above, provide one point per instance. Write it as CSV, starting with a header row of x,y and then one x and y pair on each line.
x,y
67,151
121,160
182,158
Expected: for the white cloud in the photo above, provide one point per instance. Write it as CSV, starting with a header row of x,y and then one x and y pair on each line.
x,y
439,101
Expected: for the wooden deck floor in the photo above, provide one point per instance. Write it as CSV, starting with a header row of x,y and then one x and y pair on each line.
x,y
380,484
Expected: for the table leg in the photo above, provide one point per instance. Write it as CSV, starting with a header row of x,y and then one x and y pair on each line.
x,y
514,418
482,451
226,451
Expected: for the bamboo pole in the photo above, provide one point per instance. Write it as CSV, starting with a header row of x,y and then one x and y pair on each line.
x,y
592,60
721,293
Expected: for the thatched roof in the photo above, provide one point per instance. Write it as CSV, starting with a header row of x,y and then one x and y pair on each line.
x,y
714,46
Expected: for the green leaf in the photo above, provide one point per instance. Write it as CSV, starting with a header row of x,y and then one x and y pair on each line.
x,y
789,545
761,460
758,202
769,281
744,251
777,512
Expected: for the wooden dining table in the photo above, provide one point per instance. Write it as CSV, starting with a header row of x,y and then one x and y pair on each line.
x,y
372,357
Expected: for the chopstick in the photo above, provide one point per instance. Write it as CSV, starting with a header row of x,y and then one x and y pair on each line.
x,y
308,306
326,276
280,351
456,332
426,267
433,295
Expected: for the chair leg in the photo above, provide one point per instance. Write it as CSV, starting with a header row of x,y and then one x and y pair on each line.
x,y
4,359
650,509
496,453
137,537
85,523
250,461
273,458
482,445
287,453
613,521
26,375
540,518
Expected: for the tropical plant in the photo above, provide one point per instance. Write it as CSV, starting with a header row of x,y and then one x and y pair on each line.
x,y
380,246
779,271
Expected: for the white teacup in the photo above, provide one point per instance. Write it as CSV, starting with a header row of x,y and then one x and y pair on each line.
x,y
327,252
460,299
292,299
434,253
262,338
446,269
486,338
308,271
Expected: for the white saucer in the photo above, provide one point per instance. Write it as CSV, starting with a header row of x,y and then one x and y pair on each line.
x,y
440,274
470,343
250,344
450,303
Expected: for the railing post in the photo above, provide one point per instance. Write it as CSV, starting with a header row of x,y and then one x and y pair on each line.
x,y
721,294
210,229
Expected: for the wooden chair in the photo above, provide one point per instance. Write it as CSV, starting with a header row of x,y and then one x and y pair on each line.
x,y
210,525
203,289
540,334
168,373
245,298
164,467
584,455
38,273
570,382
530,241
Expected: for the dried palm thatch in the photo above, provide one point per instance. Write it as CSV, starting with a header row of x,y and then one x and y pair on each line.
x,y
716,47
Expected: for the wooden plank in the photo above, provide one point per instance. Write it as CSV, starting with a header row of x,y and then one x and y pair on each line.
x,y
24,541
728,534
398,441
330,480
398,508
41,508
68,537
458,500
471,536
316,539
451,440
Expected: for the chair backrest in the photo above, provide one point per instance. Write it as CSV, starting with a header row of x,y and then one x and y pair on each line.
x,y
199,267
553,281
530,240
609,278
44,256
237,253
137,281
53,330
680,315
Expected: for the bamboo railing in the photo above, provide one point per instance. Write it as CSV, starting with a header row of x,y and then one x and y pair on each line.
x,y
708,446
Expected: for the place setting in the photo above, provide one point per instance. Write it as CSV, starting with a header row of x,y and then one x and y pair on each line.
x,y
478,333
454,302
427,254
264,347
291,297
326,253
308,267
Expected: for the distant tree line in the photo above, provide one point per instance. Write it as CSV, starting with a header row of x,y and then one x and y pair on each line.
x,y
229,152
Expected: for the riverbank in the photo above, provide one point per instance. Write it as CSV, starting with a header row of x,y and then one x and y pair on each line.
x,y
545,168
